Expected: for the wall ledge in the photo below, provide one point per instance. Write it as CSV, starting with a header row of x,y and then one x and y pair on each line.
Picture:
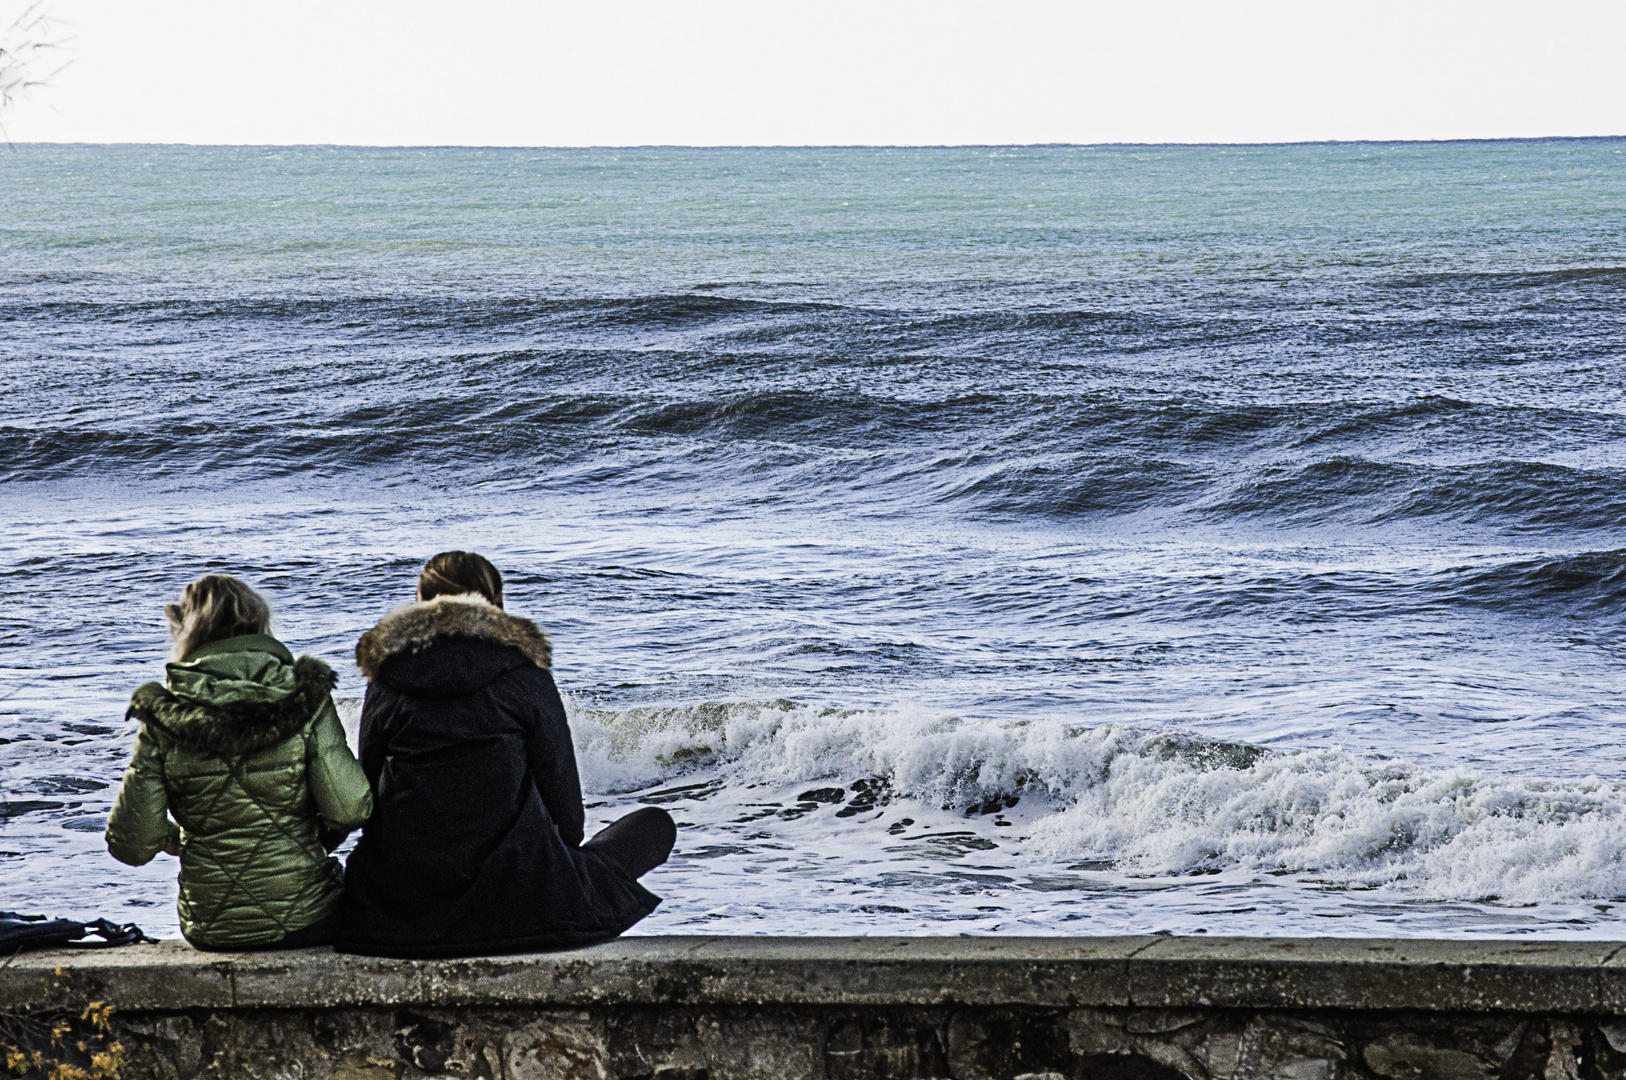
x,y
1577,977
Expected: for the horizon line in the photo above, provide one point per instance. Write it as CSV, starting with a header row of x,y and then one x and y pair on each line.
x,y
826,146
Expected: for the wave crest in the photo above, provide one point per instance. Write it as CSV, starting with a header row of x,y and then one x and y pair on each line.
x,y
1157,802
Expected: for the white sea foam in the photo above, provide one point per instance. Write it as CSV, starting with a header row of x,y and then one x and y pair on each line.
x,y
1152,802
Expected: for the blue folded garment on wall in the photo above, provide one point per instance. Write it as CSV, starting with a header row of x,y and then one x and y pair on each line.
x,y
22,932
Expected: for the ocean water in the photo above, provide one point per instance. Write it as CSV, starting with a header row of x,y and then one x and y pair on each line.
x,y
1072,540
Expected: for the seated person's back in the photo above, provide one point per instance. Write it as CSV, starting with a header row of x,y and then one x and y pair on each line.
x,y
475,846
242,745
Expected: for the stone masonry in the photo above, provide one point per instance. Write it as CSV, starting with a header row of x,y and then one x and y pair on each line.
x,y
698,1008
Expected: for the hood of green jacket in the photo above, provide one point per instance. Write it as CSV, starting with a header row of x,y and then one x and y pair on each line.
x,y
236,696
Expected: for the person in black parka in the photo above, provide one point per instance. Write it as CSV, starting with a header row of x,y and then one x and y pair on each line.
x,y
475,844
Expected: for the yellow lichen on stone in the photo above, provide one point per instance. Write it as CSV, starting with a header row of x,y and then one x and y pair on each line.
x,y
357,1066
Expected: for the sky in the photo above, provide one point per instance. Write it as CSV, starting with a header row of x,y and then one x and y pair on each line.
x,y
787,72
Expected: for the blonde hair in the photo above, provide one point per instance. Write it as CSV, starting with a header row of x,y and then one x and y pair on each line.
x,y
213,608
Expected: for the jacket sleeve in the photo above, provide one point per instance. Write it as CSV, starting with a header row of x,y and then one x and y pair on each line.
x,y
553,763
344,800
139,826
371,740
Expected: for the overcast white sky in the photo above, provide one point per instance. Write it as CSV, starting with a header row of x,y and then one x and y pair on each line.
x,y
617,72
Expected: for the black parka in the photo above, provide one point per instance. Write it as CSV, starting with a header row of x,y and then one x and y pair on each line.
x,y
473,847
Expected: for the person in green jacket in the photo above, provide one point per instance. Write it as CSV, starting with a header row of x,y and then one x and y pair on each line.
x,y
243,748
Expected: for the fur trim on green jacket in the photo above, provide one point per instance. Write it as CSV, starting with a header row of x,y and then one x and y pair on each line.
x,y
235,728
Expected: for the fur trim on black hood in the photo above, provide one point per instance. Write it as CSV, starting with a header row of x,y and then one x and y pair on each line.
x,y
238,728
415,627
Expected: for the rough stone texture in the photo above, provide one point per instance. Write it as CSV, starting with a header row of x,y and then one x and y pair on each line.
x,y
863,1009
820,1043
1361,973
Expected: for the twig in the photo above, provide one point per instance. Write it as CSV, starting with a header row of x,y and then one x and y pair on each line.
x,y
27,47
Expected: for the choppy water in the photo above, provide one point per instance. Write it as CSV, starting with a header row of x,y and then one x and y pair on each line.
x,y
978,540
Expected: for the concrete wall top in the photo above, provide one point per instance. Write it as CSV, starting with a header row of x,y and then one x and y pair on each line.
x,y
1161,972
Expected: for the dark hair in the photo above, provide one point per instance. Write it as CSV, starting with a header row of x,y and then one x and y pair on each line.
x,y
456,573
213,608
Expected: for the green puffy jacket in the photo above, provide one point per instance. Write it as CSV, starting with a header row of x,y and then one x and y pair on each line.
x,y
244,748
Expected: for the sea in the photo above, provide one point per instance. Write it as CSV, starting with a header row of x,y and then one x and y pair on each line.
x,y
1061,540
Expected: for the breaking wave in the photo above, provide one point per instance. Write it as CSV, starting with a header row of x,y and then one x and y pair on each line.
x,y
1156,802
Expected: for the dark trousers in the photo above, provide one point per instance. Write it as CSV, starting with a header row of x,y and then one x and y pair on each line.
x,y
638,842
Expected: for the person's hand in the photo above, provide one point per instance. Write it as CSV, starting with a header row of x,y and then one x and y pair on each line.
x,y
173,845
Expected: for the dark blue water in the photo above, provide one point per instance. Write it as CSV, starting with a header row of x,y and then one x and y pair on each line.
x,y
1221,538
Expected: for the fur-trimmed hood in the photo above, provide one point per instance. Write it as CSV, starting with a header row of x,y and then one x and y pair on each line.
x,y
413,628
235,723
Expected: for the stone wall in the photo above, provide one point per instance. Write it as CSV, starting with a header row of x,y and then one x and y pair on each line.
x,y
851,1008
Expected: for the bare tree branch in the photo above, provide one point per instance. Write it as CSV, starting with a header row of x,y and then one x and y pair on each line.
x,y
32,53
